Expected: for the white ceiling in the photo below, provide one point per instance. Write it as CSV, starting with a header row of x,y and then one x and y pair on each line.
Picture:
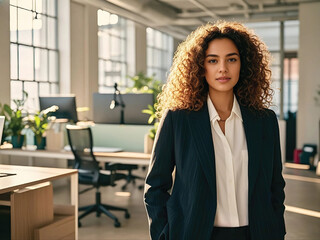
x,y
180,17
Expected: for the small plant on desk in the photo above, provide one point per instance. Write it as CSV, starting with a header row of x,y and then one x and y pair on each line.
x,y
39,123
144,84
14,123
153,118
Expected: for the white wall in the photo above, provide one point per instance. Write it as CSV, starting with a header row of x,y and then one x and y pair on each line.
x,y
308,115
4,52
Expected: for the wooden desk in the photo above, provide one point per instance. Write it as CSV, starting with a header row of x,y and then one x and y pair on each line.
x,y
26,176
117,157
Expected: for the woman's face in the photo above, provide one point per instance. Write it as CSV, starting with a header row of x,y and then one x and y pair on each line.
x,y
222,65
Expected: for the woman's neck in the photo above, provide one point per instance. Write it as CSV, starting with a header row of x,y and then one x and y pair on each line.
x,y
222,101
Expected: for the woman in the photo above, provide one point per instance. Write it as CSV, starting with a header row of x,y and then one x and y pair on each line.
x,y
215,171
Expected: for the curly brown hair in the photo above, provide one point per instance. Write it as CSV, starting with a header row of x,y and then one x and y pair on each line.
x,y
187,87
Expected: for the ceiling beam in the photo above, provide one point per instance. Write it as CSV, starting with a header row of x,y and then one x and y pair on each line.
x,y
204,9
245,5
227,11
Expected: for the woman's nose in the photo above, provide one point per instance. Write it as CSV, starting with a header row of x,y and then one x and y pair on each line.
x,y
223,67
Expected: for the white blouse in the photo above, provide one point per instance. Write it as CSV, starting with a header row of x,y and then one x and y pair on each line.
x,y
231,159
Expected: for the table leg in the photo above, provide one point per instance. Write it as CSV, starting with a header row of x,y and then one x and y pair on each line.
x,y
74,199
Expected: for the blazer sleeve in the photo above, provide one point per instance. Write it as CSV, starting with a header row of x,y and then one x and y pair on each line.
x,y
159,178
278,183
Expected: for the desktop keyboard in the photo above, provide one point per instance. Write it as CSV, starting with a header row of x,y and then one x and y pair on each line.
x,y
99,149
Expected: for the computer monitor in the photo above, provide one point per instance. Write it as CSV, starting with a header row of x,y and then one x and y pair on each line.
x,y
67,106
134,104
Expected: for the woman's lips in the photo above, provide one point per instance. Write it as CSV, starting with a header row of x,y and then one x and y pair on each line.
x,y
223,79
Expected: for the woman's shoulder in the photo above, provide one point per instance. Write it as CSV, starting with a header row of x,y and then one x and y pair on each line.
x,y
264,113
269,112
178,114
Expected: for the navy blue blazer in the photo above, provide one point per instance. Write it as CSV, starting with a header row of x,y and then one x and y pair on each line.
x,y
184,141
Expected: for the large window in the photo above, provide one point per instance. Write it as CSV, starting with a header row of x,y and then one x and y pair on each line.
x,y
112,37
34,51
291,80
269,32
159,54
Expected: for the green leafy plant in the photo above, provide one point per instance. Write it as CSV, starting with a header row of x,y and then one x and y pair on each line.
x,y
152,112
39,122
14,122
144,84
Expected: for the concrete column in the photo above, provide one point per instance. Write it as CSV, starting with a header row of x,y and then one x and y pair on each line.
x,y
308,115
141,48
64,44
281,69
4,52
84,55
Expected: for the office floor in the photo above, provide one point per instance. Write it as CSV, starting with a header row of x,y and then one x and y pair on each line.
x,y
302,193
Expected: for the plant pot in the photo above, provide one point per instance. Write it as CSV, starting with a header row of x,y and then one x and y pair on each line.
x,y
17,141
148,144
40,142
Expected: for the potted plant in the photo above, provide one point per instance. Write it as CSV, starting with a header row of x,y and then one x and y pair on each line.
x,y
14,122
38,123
144,84
149,138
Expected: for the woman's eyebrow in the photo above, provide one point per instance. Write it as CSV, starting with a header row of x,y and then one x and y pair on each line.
x,y
228,55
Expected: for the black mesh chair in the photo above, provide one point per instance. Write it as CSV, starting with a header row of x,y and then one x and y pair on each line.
x,y
81,143
130,178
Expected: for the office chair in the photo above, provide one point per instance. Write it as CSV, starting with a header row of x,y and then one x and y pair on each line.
x,y
81,143
130,178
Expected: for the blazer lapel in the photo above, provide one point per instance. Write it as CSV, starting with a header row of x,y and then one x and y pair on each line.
x,y
253,132
200,128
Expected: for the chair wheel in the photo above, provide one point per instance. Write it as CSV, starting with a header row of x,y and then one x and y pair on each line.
x,y
79,224
117,224
141,187
123,188
127,215
98,214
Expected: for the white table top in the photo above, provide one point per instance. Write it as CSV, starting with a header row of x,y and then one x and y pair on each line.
x,y
27,176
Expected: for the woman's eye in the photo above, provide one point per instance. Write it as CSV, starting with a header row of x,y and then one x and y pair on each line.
x,y
212,61
232,59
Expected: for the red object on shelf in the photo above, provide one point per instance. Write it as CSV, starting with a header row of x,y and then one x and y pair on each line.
x,y
296,155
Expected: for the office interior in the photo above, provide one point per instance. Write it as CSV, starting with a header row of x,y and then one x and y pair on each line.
x,y
83,47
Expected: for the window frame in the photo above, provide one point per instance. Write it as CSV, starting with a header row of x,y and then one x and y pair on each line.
x,y
17,45
165,52
104,85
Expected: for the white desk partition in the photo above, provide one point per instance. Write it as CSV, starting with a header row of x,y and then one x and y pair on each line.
x,y
128,137
44,155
